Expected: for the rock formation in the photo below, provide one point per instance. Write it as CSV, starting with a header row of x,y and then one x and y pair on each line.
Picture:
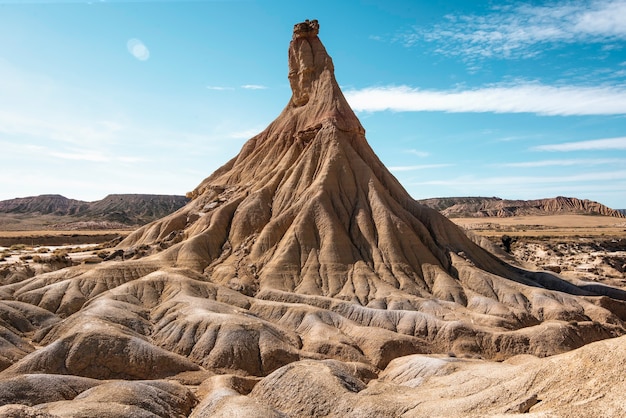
x,y
43,205
47,212
493,206
302,280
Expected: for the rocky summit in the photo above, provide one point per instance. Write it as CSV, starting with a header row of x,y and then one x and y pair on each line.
x,y
302,280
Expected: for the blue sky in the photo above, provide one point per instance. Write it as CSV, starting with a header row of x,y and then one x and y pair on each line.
x,y
519,100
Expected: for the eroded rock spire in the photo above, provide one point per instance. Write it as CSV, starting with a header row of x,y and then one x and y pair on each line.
x,y
308,59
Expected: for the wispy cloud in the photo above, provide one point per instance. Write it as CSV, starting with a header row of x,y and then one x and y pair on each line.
x,y
418,167
523,30
525,180
244,86
94,156
421,154
82,156
65,129
245,134
253,87
521,98
219,88
595,144
91,153
564,163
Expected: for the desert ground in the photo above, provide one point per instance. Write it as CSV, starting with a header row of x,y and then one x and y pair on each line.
x,y
441,384
550,226
576,246
583,247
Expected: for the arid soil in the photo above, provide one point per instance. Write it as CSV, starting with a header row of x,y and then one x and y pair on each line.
x,y
303,281
575,246
546,226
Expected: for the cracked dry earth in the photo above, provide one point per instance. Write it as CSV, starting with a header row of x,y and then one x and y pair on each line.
x,y
302,281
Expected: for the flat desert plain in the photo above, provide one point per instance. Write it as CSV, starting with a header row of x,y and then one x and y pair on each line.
x,y
434,385
546,226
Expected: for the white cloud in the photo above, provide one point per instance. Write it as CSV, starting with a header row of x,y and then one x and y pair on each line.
x,y
219,88
253,87
94,155
523,30
42,123
138,49
245,134
564,163
244,86
605,18
595,144
82,156
421,154
525,180
21,150
521,98
418,167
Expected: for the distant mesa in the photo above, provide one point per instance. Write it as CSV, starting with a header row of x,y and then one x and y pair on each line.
x,y
117,210
303,280
476,207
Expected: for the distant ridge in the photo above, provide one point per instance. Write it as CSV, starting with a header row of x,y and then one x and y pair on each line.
x,y
477,207
45,204
126,209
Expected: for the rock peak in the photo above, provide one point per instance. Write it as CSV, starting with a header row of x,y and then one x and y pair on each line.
x,y
308,61
306,29
316,96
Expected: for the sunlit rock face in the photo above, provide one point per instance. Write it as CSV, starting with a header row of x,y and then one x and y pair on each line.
x,y
307,60
302,280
